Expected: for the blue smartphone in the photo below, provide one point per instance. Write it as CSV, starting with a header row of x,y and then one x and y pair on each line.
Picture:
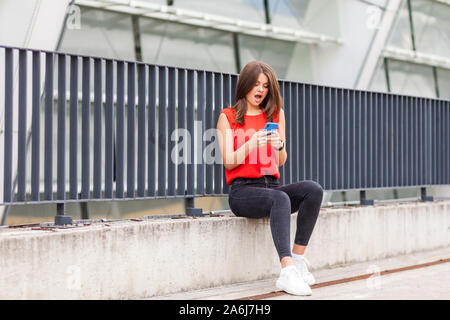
x,y
270,126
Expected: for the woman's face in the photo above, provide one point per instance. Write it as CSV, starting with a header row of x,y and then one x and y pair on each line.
x,y
259,91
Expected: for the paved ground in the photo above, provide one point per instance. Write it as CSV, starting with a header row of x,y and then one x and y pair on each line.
x,y
431,282
384,279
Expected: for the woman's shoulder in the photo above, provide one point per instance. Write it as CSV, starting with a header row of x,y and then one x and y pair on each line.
x,y
229,113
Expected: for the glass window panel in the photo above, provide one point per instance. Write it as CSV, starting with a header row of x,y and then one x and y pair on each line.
x,y
249,10
290,60
431,27
186,46
379,79
410,78
444,83
401,32
101,33
318,16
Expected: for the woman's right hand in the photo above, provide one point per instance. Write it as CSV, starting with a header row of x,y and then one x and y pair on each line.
x,y
259,139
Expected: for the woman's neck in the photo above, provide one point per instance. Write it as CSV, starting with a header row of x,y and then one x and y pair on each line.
x,y
253,110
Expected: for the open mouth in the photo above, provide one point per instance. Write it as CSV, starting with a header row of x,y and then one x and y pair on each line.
x,y
258,97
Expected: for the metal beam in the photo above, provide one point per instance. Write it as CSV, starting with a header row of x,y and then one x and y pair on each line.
x,y
416,57
205,20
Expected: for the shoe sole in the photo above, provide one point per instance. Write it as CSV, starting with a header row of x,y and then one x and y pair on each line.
x,y
294,292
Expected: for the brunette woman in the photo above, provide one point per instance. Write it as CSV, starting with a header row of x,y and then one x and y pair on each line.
x,y
252,158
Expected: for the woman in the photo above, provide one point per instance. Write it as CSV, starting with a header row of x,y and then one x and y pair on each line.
x,y
252,157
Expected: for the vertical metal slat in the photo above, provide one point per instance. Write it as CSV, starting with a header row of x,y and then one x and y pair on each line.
x,y
109,133
48,140
97,167
302,137
7,172
35,125
171,128
333,139
308,132
131,105
190,118
61,162
294,132
73,140
162,132
288,112
218,166
141,132
181,168
321,160
120,131
340,139
151,131
208,124
201,82
85,129
22,119
226,102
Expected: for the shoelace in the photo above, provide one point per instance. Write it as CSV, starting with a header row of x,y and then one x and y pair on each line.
x,y
294,274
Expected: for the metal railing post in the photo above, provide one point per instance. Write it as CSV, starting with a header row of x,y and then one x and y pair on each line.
x,y
84,212
363,200
423,195
189,207
61,218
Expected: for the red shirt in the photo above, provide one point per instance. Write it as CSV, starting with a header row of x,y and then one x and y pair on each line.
x,y
260,161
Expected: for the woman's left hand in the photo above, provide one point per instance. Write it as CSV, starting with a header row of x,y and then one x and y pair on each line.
x,y
274,139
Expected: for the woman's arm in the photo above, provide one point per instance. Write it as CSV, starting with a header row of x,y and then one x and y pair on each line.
x,y
232,158
280,156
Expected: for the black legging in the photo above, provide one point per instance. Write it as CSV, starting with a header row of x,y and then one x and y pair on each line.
x,y
264,197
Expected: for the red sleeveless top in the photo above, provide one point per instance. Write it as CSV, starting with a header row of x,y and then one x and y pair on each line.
x,y
260,161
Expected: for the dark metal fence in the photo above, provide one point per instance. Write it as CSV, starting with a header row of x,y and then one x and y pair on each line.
x,y
104,126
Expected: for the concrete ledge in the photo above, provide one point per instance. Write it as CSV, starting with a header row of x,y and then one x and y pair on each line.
x,y
141,259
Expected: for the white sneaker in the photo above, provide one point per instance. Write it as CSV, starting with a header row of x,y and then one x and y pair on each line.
x,y
302,266
292,282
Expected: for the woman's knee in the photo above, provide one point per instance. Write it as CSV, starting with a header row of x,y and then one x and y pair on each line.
x,y
280,198
314,188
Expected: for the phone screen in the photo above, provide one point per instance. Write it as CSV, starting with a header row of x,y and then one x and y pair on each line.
x,y
270,126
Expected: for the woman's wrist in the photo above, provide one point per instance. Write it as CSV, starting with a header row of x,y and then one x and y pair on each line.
x,y
282,146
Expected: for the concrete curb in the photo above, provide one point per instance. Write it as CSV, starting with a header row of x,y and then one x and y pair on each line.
x,y
154,257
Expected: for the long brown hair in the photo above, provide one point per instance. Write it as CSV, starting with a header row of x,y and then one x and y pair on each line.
x,y
272,103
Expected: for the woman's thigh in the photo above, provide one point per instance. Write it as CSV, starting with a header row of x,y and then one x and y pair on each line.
x,y
255,202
